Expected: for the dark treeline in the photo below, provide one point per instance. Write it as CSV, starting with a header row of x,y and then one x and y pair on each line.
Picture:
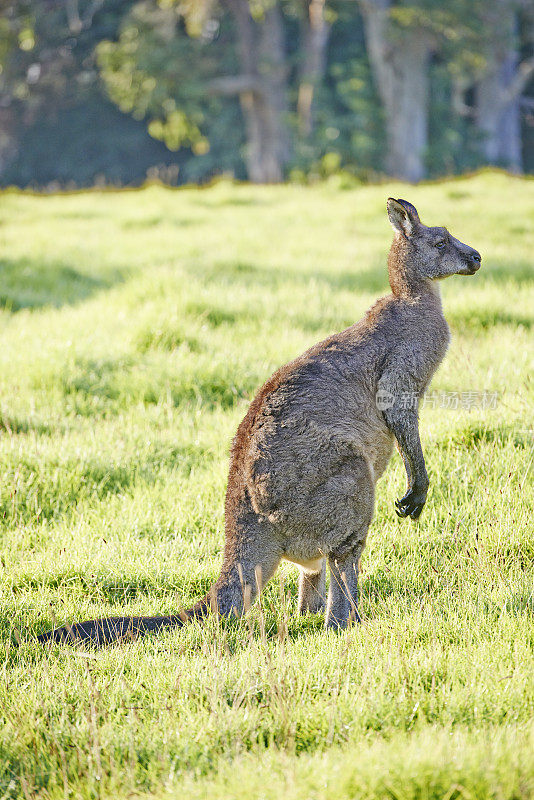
x,y
115,91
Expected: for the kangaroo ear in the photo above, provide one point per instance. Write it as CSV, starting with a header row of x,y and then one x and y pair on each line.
x,y
403,216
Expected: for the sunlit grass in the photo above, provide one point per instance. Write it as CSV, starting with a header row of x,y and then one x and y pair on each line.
x,y
134,328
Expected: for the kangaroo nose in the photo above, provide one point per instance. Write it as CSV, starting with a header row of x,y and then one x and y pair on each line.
x,y
475,256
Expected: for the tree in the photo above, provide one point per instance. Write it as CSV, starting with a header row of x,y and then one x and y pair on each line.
x,y
239,51
400,59
56,125
491,65
16,37
262,88
499,88
314,37
159,69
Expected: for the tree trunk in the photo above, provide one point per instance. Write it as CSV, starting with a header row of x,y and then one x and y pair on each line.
x,y
497,93
8,139
263,99
407,116
400,62
314,40
498,120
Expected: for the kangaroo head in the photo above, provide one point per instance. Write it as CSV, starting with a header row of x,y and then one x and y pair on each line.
x,y
420,253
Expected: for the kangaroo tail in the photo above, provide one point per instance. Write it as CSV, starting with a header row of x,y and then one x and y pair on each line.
x,y
226,596
114,629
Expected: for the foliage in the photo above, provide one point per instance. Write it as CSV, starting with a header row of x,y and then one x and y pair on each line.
x,y
67,133
86,144
160,73
135,326
348,115
158,62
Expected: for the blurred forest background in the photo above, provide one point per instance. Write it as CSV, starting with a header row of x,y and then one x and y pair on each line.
x,y
118,91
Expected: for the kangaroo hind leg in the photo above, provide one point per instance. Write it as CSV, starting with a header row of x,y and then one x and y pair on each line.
x,y
312,589
342,608
354,517
251,558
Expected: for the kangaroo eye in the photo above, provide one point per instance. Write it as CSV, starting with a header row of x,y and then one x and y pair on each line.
x,y
441,245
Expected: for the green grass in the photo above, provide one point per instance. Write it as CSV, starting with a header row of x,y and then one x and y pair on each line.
x,y
135,327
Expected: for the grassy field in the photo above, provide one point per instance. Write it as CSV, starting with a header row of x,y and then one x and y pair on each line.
x,y
134,329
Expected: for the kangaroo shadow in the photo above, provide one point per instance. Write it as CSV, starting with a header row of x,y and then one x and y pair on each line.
x,y
32,283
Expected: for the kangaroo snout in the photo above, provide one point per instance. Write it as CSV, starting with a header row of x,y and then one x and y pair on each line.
x,y
473,262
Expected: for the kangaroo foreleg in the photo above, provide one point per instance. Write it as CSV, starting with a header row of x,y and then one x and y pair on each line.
x,y
402,419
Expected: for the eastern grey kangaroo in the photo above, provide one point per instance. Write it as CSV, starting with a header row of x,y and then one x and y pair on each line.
x,y
317,437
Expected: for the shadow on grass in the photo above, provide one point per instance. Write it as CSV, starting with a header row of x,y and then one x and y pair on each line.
x,y
106,386
154,222
476,433
207,201
371,280
521,603
31,283
33,489
382,586
480,320
15,426
506,271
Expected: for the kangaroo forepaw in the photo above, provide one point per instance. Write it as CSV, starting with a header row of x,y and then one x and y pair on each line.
x,y
410,505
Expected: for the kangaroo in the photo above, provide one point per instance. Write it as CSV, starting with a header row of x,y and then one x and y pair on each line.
x,y
316,438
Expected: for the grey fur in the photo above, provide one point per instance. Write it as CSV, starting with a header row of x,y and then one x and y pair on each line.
x,y
307,456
